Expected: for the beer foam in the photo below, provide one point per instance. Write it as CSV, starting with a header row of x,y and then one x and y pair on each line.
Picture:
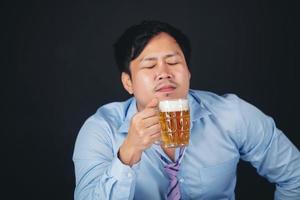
x,y
173,105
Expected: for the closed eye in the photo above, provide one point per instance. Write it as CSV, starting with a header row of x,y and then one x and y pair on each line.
x,y
148,66
172,63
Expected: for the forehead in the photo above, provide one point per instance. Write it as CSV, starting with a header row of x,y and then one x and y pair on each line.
x,y
160,44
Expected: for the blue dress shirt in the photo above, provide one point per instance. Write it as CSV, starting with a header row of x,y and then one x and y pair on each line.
x,y
223,130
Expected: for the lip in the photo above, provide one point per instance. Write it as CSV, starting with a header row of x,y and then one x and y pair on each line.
x,y
166,89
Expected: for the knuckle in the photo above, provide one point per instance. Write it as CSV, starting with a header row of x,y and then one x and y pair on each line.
x,y
146,142
142,132
135,118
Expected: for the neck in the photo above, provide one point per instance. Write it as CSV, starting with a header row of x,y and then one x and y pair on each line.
x,y
170,152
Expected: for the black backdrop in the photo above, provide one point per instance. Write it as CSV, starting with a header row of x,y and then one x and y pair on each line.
x,y
60,61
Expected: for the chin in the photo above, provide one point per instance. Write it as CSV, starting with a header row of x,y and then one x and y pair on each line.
x,y
166,96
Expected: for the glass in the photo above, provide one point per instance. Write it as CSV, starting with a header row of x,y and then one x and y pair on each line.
x,y
174,118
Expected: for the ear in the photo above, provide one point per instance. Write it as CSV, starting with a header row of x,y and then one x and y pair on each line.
x,y
127,83
190,75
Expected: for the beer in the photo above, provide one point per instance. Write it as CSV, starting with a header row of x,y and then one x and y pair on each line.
x,y
174,119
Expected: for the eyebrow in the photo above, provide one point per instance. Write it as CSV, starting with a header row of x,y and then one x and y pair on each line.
x,y
155,58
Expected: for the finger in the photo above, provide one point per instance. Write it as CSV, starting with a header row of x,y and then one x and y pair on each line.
x,y
151,138
151,121
155,137
153,103
150,112
152,130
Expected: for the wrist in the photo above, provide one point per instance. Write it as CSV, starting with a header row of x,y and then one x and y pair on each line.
x,y
128,154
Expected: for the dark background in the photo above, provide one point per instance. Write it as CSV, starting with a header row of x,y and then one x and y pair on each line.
x,y
58,68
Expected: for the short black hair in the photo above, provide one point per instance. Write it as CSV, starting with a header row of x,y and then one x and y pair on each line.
x,y
132,42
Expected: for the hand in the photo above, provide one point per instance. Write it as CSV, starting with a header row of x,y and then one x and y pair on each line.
x,y
144,130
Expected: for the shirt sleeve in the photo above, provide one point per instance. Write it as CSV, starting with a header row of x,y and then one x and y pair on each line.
x,y
269,151
99,172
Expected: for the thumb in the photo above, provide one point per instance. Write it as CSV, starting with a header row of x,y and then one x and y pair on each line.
x,y
153,103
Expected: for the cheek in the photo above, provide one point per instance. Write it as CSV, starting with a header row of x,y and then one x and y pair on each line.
x,y
142,82
184,80
184,75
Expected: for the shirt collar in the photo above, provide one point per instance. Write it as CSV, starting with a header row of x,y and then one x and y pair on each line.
x,y
198,110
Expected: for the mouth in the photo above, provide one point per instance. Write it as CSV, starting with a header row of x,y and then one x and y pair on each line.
x,y
165,88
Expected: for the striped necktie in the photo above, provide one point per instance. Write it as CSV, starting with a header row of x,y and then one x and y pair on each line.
x,y
172,170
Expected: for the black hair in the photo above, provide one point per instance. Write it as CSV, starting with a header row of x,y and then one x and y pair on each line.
x,y
132,42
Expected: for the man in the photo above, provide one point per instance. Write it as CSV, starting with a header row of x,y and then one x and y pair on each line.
x,y
116,156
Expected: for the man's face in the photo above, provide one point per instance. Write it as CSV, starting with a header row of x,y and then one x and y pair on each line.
x,y
159,71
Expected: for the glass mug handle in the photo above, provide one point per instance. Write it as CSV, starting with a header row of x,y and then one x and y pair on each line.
x,y
158,142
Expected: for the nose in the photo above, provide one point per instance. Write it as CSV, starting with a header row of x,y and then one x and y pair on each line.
x,y
163,72
162,76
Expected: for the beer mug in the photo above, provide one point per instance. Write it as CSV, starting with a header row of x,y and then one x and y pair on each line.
x,y
174,118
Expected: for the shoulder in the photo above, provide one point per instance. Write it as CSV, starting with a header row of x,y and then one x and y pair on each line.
x,y
107,119
111,114
223,109
230,108
228,102
101,127
215,101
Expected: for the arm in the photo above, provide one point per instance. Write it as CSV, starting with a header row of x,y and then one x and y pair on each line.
x,y
269,151
99,172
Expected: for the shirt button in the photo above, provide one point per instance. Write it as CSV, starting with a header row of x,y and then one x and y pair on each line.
x,y
181,180
129,175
